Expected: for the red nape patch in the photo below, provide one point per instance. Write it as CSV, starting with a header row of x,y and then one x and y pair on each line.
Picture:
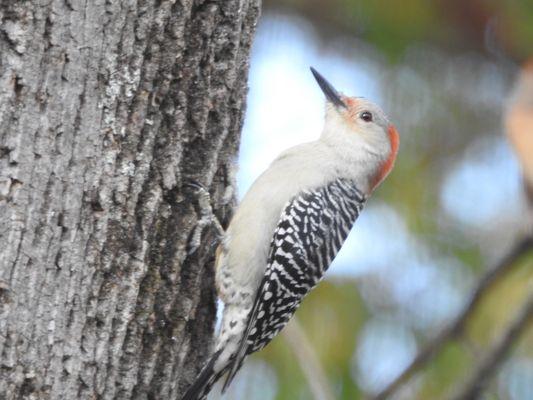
x,y
387,166
350,101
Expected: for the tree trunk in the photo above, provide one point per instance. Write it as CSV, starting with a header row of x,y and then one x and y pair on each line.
x,y
106,109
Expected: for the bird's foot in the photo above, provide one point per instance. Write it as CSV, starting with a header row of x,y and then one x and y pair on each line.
x,y
207,217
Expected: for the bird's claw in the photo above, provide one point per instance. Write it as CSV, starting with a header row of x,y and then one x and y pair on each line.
x,y
207,217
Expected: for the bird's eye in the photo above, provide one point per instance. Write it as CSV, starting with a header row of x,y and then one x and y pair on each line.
x,y
366,116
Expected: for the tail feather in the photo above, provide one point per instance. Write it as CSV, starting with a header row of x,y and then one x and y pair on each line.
x,y
231,374
204,381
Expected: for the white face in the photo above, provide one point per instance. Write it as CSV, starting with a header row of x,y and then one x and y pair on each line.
x,y
361,133
366,119
361,123
357,115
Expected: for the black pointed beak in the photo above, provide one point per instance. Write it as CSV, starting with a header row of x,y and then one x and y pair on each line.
x,y
330,92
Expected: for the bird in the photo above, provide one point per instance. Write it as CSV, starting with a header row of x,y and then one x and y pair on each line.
x,y
290,225
519,128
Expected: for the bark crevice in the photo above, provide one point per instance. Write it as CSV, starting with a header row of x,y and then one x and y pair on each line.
x,y
106,109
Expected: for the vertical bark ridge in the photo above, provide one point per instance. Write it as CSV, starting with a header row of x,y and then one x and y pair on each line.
x,y
106,108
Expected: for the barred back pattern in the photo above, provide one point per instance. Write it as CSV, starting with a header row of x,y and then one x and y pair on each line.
x,y
311,231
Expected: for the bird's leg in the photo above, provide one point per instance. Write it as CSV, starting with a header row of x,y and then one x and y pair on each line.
x,y
207,217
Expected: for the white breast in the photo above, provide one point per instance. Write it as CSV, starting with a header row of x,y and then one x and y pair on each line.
x,y
244,255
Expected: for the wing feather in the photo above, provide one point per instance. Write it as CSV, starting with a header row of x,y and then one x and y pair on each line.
x,y
310,232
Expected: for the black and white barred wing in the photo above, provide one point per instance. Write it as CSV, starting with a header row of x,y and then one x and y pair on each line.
x,y
311,230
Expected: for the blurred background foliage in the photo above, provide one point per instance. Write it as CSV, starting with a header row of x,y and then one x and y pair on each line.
x,y
452,209
395,25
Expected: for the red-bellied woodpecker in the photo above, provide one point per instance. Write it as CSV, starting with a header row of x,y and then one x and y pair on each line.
x,y
291,224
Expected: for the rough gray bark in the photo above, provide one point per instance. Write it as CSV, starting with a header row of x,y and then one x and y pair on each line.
x,y
106,108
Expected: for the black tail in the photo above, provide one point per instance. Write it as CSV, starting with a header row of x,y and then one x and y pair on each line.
x,y
234,369
204,381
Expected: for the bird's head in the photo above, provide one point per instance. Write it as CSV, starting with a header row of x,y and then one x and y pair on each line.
x,y
360,128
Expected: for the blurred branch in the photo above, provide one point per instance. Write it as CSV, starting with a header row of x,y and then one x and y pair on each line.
x,y
497,354
297,340
456,326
